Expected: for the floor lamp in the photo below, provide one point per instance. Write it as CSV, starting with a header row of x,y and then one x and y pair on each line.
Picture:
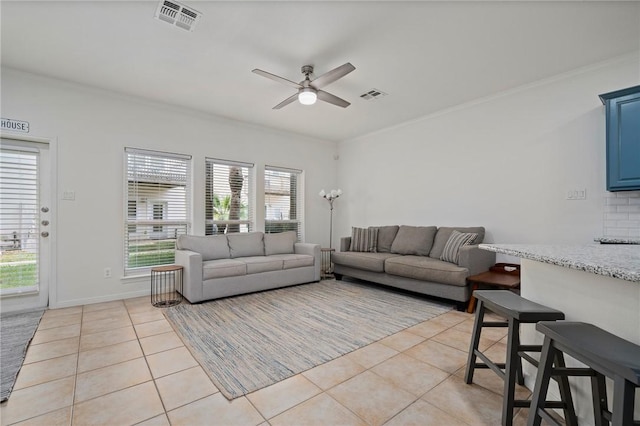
x,y
327,266
331,197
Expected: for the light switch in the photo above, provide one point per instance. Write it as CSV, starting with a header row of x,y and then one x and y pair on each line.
x,y
69,195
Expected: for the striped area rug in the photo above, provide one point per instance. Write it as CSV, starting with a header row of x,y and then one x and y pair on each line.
x,y
17,330
248,342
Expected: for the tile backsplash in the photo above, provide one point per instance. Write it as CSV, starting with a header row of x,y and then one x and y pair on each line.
x,y
622,214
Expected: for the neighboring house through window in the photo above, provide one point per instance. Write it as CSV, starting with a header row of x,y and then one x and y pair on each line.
x,y
283,199
158,192
228,197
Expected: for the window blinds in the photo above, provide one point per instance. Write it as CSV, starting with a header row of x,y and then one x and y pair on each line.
x,y
283,200
228,199
158,187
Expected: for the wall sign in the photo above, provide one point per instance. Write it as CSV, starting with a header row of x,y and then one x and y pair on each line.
x,y
14,125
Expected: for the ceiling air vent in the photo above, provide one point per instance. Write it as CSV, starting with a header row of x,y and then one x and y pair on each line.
x,y
177,14
373,94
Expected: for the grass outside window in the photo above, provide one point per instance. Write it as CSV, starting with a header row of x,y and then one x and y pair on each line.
x,y
18,268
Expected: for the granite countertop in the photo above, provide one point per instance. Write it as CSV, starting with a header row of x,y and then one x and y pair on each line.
x,y
618,240
617,261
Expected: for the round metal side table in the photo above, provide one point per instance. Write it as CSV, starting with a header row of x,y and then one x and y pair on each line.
x,y
326,268
166,286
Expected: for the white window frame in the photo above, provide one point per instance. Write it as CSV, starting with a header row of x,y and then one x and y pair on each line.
x,y
248,188
181,225
299,200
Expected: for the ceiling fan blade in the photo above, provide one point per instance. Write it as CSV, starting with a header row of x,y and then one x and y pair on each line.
x,y
331,76
332,99
287,101
277,78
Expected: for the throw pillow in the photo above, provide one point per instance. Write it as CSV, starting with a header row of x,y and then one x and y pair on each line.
x,y
279,243
445,232
451,252
364,239
413,240
245,244
386,235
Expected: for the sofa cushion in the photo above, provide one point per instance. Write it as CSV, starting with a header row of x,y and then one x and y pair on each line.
x,y
223,268
362,260
414,240
364,239
279,243
451,252
243,244
292,261
425,268
210,247
386,235
443,236
257,264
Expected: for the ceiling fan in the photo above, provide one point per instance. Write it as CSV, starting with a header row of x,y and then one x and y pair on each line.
x,y
309,90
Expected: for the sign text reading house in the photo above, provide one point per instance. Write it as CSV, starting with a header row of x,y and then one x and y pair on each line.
x,y
14,125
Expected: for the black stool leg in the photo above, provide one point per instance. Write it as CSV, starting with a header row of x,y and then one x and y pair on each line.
x,y
623,400
512,365
519,373
599,396
475,342
545,366
565,392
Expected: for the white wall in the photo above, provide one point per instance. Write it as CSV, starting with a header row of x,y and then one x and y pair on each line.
x,y
92,128
505,162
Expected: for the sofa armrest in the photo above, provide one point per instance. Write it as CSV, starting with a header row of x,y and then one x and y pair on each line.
x,y
475,259
191,261
313,250
345,243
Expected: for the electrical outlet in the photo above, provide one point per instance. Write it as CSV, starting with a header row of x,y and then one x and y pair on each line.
x,y
577,194
107,272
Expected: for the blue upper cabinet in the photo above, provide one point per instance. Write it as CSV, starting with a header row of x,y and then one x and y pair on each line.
x,y
623,139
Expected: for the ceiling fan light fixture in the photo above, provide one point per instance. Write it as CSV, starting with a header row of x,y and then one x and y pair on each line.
x,y
307,96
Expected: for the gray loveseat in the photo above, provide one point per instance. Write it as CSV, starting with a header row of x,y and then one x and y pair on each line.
x,y
409,257
227,265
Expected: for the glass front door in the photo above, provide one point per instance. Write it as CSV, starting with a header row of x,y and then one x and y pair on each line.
x,y
24,223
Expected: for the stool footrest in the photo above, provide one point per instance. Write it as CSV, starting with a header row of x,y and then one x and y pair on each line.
x,y
531,360
546,416
548,404
530,348
495,324
566,371
496,367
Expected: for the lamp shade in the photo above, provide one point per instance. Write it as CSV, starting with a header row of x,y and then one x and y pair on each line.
x,y
307,96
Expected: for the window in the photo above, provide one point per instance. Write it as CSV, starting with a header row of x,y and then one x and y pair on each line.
x,y
157,199
283,200
158,215
228,200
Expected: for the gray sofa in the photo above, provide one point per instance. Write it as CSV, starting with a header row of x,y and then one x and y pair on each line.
x,y
409,257
227,265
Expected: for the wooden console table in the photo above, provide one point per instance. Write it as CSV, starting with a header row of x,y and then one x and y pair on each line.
x,y
496,277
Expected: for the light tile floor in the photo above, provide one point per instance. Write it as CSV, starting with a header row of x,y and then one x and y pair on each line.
x,y
121,363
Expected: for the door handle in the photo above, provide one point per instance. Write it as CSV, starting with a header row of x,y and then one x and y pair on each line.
x,y
44,234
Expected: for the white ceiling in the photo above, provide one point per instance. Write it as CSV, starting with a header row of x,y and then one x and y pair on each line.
x,y
427,56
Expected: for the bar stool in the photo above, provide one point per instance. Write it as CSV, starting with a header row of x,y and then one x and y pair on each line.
x,y
517,310
604,354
